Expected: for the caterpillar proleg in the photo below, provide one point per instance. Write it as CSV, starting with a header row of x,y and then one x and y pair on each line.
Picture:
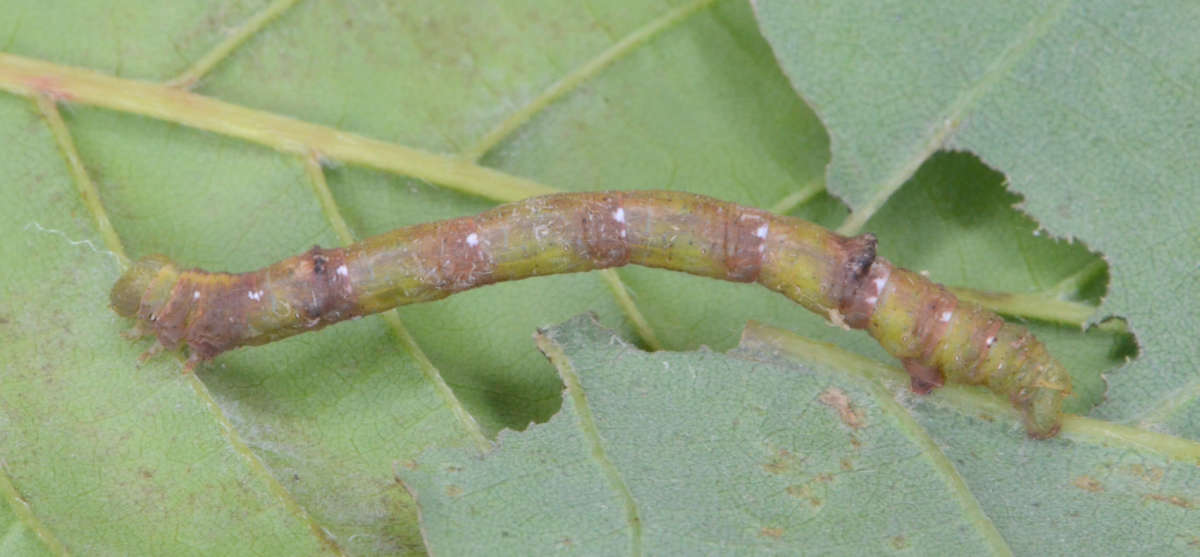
x,y
937,337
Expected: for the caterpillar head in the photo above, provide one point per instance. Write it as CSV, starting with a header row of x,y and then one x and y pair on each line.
x,y
144,287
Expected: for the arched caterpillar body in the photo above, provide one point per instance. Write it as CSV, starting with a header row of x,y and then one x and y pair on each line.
x,y
937,337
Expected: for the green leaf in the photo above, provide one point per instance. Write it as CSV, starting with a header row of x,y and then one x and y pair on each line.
x,y
786,445
291,448
1089,108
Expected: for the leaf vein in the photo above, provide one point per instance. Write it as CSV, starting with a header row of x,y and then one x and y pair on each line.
x,y
226,47
954,114
432,374
581,74
26,517
587,426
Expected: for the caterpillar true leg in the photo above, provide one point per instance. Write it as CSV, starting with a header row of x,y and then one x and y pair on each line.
x,y
937,337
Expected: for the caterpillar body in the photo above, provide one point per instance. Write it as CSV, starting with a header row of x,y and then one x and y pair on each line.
x,y
937,337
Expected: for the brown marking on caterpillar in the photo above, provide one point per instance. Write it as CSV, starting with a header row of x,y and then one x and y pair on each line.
x,y
216,320
462,260
923,379
933,322
977,349
329,288
933,319
205,311
860,255
864,285
745,244
606,231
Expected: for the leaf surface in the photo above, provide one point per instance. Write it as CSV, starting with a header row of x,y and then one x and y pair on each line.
x,y
791,454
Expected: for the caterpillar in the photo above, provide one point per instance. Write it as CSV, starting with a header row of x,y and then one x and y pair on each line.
x,y
936,337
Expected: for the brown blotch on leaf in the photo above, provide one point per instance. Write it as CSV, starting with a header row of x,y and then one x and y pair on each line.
x,y
836,399
1087,483
798,491
453,491
771,532
1151,474
407,464
805,492
783,461
1172,499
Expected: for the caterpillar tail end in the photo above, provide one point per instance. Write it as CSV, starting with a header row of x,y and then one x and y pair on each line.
x,y
127,293
1042,411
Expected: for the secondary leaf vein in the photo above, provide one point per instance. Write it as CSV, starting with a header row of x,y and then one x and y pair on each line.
x,y
572,80
329,206
222,50
954,114
587,425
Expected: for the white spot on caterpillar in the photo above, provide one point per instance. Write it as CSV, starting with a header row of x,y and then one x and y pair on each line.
x,y
195,294
619,214
472,239
255,295
761,233
946,316
991,341
881,282
343,271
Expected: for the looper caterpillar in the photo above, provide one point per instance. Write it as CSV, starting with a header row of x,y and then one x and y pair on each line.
x,y
937,337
